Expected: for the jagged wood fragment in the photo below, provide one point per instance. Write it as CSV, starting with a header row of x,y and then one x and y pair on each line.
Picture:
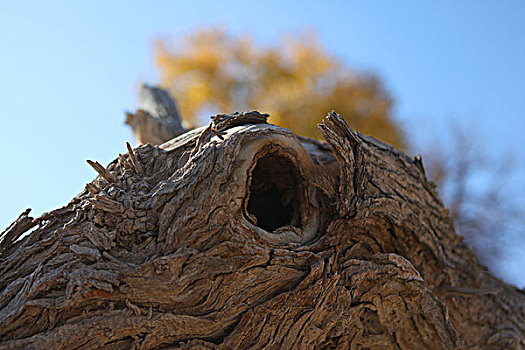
x,y
22,224
158,119
101,171
223,122
134,161
92,189
107,204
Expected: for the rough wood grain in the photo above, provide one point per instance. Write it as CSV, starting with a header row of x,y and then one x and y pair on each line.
x,y
23,223
170,251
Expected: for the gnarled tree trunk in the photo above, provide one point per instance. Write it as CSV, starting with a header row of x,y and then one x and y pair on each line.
x,y
243,235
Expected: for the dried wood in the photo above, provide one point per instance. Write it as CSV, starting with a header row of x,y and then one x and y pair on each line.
x,y
242,235
101,170
158,119
23,223
136,164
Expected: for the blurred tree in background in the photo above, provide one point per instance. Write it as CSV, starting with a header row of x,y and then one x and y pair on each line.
x,y
296,82
477,188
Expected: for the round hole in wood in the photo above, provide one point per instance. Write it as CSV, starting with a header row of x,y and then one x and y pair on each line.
x,y
273,199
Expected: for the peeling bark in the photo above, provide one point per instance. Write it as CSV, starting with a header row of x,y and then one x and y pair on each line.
x,y
243,235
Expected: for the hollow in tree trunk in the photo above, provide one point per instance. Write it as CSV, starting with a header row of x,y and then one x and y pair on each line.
x,y
243,235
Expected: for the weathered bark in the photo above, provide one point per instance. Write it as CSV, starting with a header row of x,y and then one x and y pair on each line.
x,y
157,120
242,235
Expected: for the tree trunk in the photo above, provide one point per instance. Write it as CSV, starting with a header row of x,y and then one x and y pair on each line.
x,y
243,235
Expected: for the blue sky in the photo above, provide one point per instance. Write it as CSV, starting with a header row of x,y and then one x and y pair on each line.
x,y
70,70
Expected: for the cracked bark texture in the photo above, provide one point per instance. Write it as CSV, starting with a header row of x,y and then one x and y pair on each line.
x,y
243,235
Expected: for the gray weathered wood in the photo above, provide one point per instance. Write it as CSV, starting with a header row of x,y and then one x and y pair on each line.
x,y
158,119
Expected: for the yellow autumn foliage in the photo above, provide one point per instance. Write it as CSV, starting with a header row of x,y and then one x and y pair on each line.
x,y
296,81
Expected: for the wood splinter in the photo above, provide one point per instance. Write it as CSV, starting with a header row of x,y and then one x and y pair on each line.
x,y
134,161
106,204
106,175
123,163
22,224
92,189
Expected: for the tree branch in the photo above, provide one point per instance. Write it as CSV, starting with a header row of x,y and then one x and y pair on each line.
x,y
158,119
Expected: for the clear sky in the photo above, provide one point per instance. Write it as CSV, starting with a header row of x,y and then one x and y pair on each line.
x,y
70,70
